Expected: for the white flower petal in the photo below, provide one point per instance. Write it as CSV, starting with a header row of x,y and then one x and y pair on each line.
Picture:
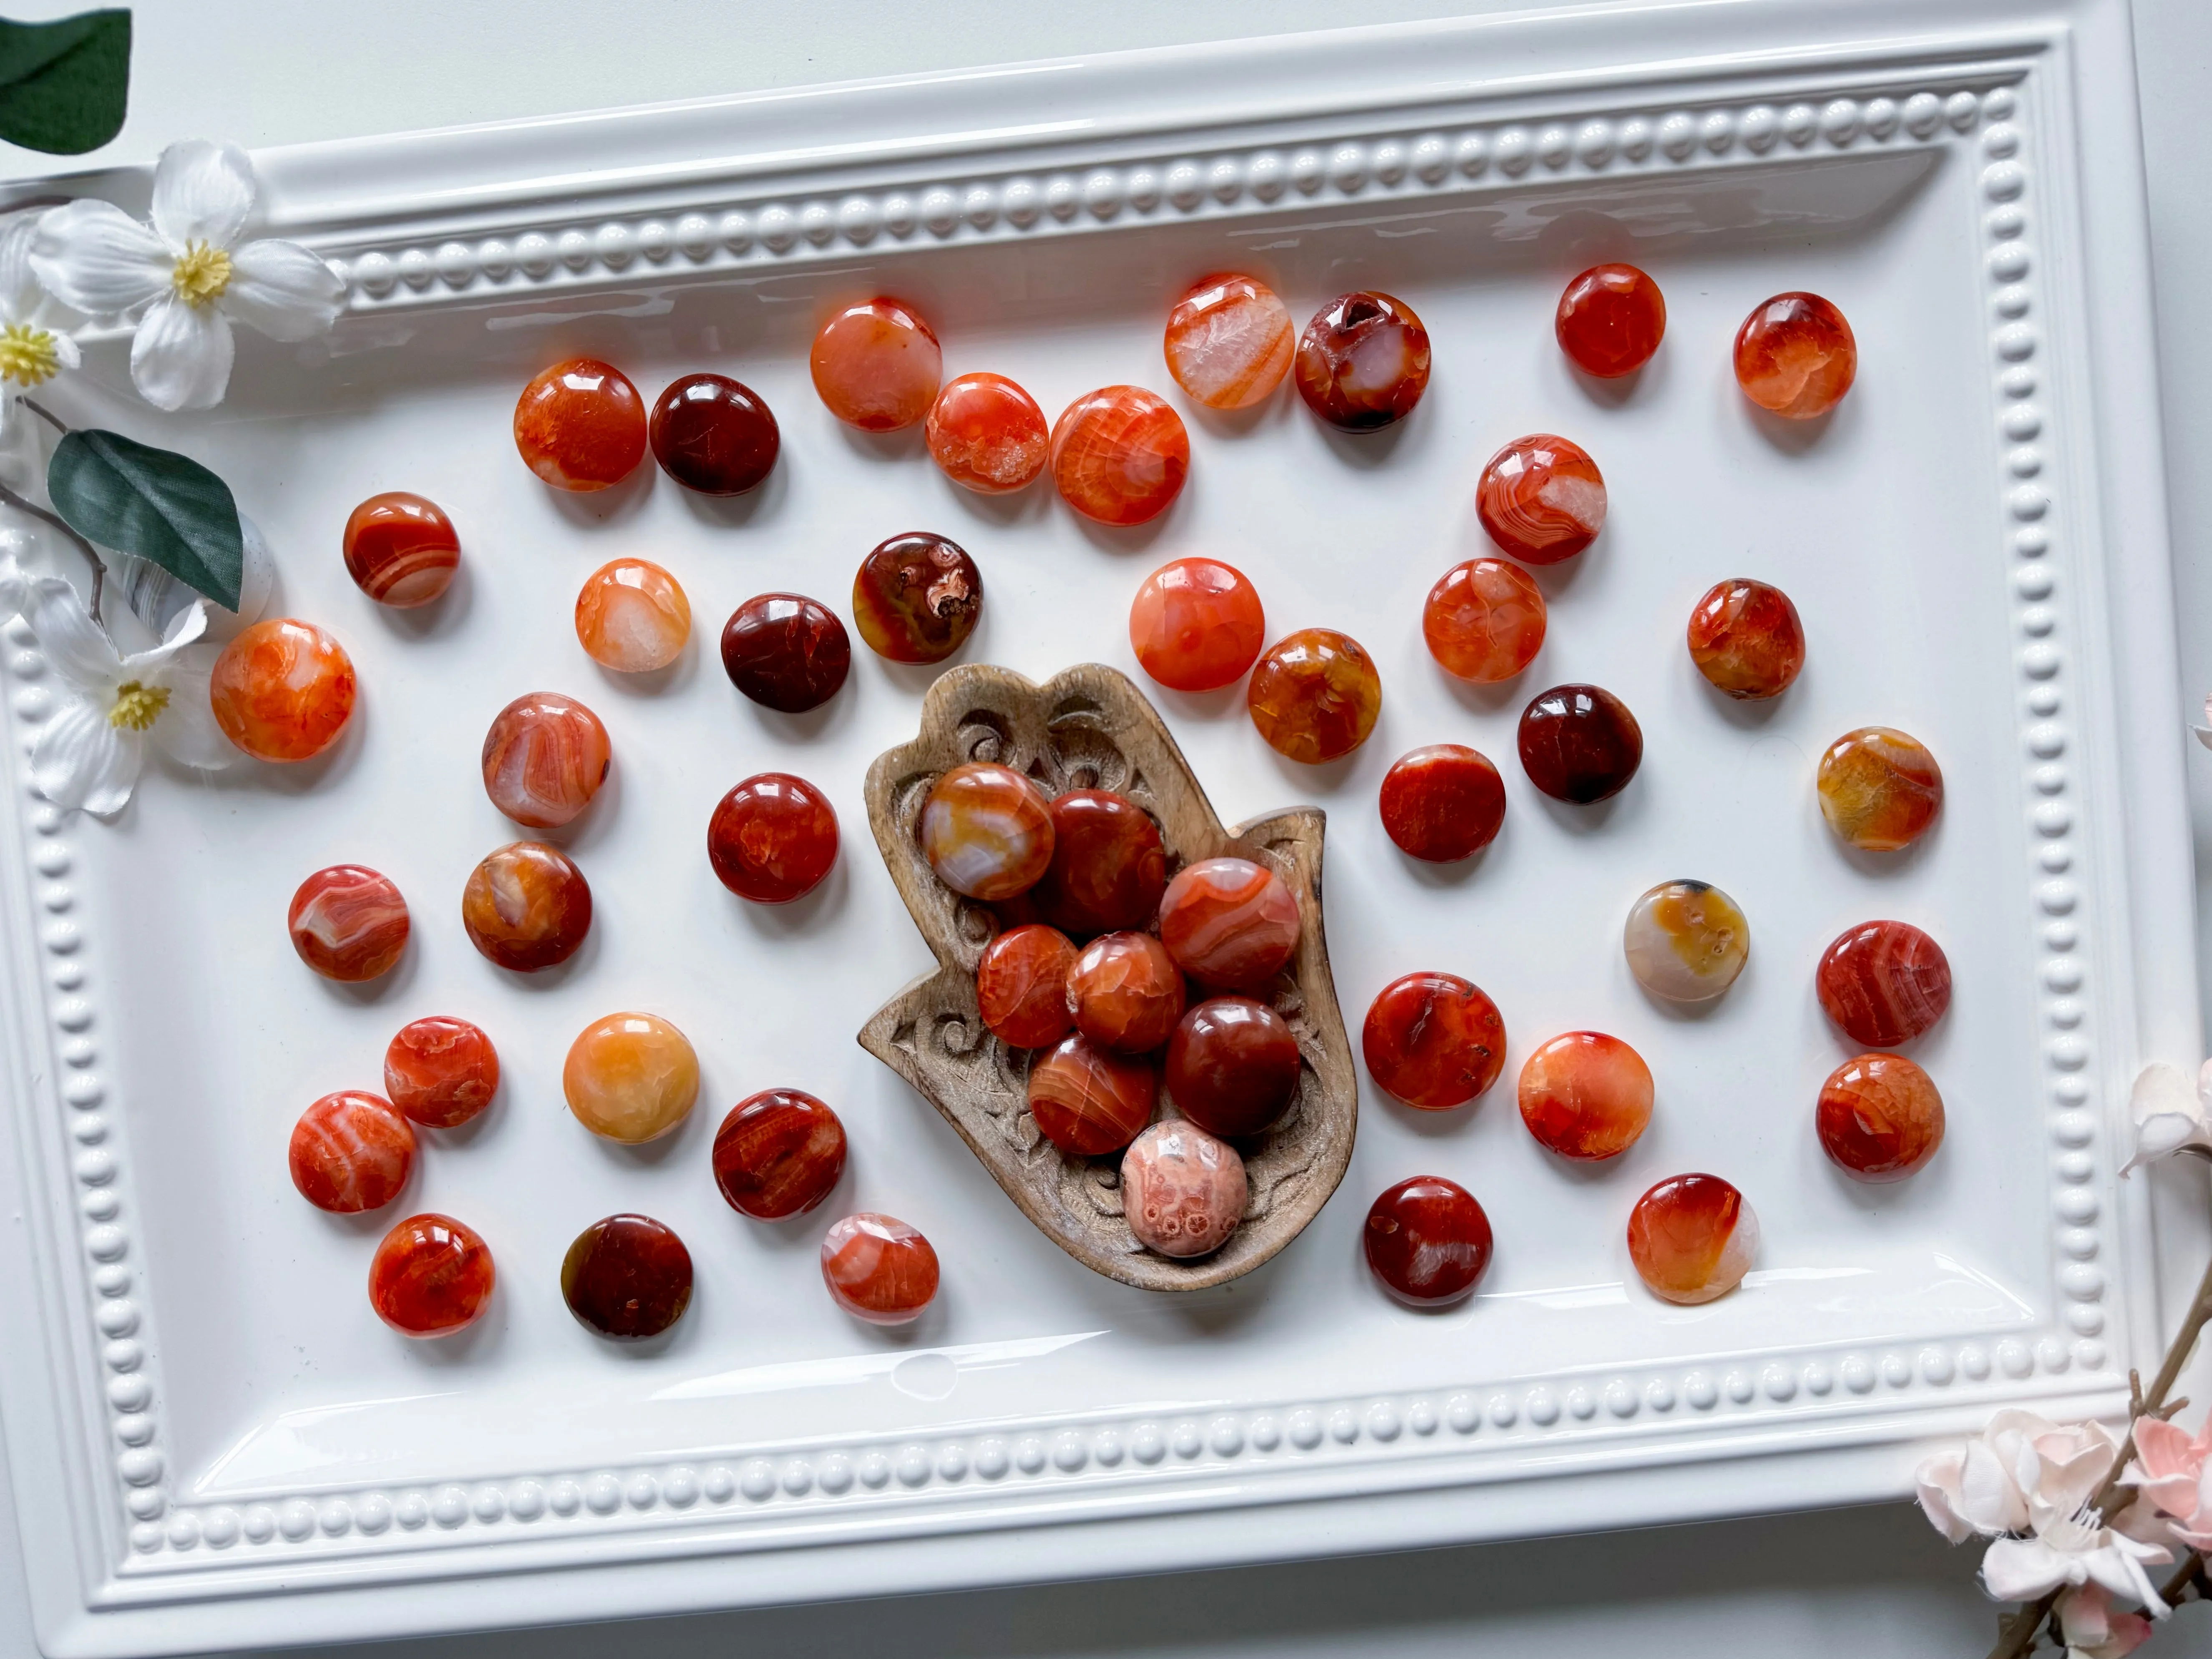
x,y
80,653
20,293
96,258
2203,734
2160,1087
180,357
1989,1500
187,626
1937,1483
2027,1569
283,289
2163,1136
81,759
201,193
185,731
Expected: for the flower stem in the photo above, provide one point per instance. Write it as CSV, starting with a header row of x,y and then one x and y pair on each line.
x,y
43,414
99,568
2188,1582
2018,1634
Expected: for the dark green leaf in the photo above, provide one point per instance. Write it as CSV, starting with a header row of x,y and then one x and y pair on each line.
x,y
63,86
160,505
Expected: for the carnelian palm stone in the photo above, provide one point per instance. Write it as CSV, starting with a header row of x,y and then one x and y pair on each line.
x,y
1611,319
580,425
544,757
1363,363
778,1153
1541,499
348,923
351,1151
1433,1041
1586,1095
1021,985
772,839
1883,983
627,1278
1316,696
1795,356
282,691
1428,1241
1879,789
878,1269
1228,342
526,907
441,1071
1692,1238
1120,455
1880,1118
1483,621
401,550
1197,624
987,435
876,366
431,1276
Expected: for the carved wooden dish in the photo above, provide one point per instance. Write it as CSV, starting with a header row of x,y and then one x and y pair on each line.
x,y
1091,728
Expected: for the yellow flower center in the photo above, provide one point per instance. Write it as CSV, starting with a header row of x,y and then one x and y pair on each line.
x,y
202,274
138,707
29,355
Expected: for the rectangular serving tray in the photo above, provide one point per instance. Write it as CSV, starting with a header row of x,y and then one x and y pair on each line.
x,y
213,1442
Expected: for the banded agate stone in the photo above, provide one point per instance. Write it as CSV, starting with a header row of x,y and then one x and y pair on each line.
x,y
401,550
349,923
1692,1238
1230,341
1541,499
351,1151
543,759
878,1269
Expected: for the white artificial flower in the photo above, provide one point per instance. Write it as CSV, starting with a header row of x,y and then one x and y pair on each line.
x,y
2170,1115
2076,1549
33,345
90,749
2092,1630
2204,732
185,280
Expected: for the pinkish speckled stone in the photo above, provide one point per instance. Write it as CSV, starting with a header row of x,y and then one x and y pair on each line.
x,y
1182,1191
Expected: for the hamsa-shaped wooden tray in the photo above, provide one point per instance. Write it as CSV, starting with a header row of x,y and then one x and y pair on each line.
x,y
1091,728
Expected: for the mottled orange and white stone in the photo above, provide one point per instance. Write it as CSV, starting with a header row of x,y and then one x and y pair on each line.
x,y
1229,342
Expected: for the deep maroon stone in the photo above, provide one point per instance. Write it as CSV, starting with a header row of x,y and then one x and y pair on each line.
x,y
1428,1241
1580,743
714,435
785,651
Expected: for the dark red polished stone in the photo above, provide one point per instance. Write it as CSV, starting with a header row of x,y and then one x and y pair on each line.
x,y
1428,1241
1433,1041
916,597
628,1277
714,434
526,906
1442,803
430,1276
879,1269
1021,985
1087,1099
1579,743
1232,1066
1109,867
778,1154
785,651
1125,993
1363,362
772,838
1884,982
1611,319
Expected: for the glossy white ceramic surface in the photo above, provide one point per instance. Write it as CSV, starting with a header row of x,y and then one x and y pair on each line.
x,y
210,1414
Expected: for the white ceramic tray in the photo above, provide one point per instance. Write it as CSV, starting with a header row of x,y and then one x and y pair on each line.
x,y
214,1440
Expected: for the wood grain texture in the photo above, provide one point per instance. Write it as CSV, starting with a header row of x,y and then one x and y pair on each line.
x,y
1089,727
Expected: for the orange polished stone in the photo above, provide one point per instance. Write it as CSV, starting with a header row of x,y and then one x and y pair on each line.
x,y
1586,1094
543,759
1611,319
1021,985
1483,621
1692,1238
1120,455
1541,499
441,1071
773,838
580,425
632,616
351,1151
878,1268
778,1154
282,691
877,366
1433,1041
1879,1117
1182,1191
987,435
987,831
1125,993
526,907
1228,342
1428,1241
348,923
1109,864
1794,356
1229,922
1315,695
1879,789
1442,803
1232,1066
1363,363
1088,1099
630,1076
1745,638
916,597
431,1276
1197,624
401,550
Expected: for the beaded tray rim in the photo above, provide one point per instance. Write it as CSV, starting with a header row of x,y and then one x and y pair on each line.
x,y
82,1403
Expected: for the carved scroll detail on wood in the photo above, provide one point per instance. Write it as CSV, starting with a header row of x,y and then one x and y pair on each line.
x,y
1091,728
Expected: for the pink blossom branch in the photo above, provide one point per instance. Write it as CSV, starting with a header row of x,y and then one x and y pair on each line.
x,y
2018,1634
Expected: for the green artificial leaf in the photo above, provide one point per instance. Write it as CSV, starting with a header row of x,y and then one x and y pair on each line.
x,y
160,505
64,85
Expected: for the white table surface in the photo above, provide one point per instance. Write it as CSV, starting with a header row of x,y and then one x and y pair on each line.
x,y
1855,1582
